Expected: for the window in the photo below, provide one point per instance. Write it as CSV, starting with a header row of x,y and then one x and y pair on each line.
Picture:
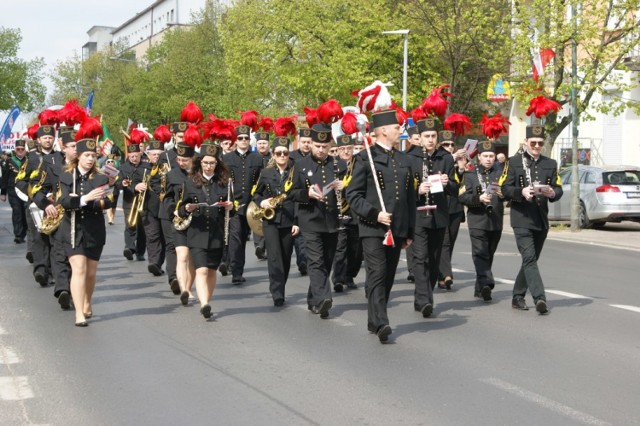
x,y
590,177
565,177
630,177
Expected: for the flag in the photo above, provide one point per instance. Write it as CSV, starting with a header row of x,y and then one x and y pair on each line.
x,y
89,105
5,130
106,141
541,59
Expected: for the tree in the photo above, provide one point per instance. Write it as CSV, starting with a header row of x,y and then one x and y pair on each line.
x,y
607,33
20,80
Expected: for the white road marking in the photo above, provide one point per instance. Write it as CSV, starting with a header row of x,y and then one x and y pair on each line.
x,y
2,331
627,307
547,403
8,356
569,295
15,388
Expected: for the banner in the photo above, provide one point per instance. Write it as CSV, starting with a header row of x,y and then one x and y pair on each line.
x,y
89,105
498,89
106,141
5,132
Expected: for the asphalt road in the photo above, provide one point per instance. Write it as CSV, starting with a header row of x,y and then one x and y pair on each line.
x,y
145,359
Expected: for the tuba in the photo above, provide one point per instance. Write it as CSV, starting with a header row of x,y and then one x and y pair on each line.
x,y
255,214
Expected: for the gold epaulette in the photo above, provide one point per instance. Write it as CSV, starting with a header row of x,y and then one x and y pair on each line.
x,y
503,176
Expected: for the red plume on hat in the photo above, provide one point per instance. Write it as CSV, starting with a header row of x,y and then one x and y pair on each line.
x,y
192,136
435,103
418,114
162,134
372,98
266,124
459,123
249,118
207,126
493,127
49,117
224,129
89,129
191,114
349,123
401,115
330,112
285,126
72,113
138,136
541,106
32,132
311,116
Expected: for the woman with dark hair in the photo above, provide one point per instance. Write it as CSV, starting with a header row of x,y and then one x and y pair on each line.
x,y
205,197
84,194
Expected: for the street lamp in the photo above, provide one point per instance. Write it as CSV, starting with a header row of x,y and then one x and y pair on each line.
x,y
406,60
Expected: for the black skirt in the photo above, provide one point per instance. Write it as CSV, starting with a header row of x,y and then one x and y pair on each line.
x,y
203,258
92,253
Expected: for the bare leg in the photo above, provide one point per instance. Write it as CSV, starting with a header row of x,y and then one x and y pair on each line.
x,y
211,282
78,284
184,269
201,285
92,267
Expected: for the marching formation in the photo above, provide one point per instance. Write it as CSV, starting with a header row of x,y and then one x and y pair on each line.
x,y
194,192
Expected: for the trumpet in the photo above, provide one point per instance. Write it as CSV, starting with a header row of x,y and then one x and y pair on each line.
x,y
138,204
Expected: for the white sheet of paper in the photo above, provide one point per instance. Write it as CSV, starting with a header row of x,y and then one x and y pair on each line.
x,y
109,170
539,189
436,184
329,187
470,146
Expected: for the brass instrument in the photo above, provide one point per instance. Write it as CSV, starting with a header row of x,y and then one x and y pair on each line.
x,y
49,224
138,203
256,214
179,223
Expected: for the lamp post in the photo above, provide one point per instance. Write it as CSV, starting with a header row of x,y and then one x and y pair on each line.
x,y
406,60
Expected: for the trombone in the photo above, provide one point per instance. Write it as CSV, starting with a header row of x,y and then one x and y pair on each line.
x,y
138,203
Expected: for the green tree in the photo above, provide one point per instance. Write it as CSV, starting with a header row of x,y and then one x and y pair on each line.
x,y
20,80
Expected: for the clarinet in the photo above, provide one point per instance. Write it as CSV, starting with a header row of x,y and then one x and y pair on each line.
x,y
483,185
341,217
227,217
527,171
425,178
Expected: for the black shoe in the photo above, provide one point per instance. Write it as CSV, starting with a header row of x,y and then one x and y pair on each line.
x,y
411,278
17,240
323,308
64,300
155,270
541,307
260,253
486,293
29,257
140,258
237,280
338,287
351,285
206,311
426,310
383,333
184,298
41,279
82,324
223,269
448,282
520,304
303,270
175,286
128,253
278,302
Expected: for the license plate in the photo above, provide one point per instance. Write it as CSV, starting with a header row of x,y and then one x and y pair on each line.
x,y
633,194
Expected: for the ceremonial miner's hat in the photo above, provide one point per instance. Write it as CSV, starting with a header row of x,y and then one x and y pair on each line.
x,y
321,133
345,140
20,143
412,130
486,146
67,134
87,136
445,135
429,124
535,131
46,130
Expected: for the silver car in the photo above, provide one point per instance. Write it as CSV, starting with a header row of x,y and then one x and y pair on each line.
x,y
607,194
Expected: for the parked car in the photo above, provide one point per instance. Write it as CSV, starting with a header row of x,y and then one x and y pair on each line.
x,y
607,194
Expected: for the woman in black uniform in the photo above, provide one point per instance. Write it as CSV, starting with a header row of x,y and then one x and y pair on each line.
x,y
205,198
85,193
279,232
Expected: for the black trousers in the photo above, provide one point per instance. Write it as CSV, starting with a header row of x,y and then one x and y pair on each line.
x,y
155,239
348,259
301,254
426,250
530,245
381,263
409,253
238,233
18,215
171,258
60,266
258,241
41,251
483,246
279,244
450,237
31,230
134,238
320,248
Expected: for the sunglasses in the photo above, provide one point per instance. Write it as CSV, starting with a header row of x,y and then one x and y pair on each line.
x,y
243,138
281,154
536,143
446,144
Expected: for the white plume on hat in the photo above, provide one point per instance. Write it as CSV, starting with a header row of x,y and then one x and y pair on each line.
x,y
374,97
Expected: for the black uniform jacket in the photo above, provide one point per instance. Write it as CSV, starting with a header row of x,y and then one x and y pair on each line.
x,y
396,183
530,214
479,215
314,215
89,219
271,184
49,183
245,170
30,172
297,155
207,223
455,206
176,184
9,172
154,188
439,162
127,172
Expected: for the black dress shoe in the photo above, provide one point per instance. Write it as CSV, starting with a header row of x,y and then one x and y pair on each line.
x,y
82,324
278,303
29,257
206,311
519,304
338,287
184,298
383,333
64,300
260,253
155,270
128,253
448,282
486,293
41,279
223,269
323,308
541,307
175,286
411,278
351,285
303,270
140,258
426,310
236,280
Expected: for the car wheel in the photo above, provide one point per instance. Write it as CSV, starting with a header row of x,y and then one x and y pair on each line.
x,y
599,225
584,218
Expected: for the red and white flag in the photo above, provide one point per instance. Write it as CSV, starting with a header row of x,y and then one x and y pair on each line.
x,y
541,59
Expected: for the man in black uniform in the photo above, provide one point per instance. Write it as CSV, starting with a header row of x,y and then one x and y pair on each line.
x,y
262,146
430,164
530,182
394,176
485,215
244,167
18,207
318,215
413,143
135,242
304,149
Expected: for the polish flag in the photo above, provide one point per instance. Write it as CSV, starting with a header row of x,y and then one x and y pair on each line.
x,y
541,59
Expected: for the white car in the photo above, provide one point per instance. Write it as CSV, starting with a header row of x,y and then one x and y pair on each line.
x,y
607,194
